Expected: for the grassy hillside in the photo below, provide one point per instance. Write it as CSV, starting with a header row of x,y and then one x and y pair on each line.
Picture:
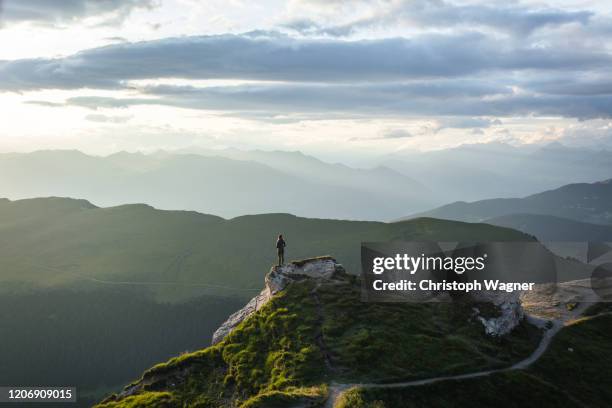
x,y
585,202
315,332
56,241
134,280
576,371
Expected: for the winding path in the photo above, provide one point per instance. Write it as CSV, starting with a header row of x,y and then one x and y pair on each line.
x,y
336,389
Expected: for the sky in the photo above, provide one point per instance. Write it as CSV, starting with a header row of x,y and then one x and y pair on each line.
x,y
327,77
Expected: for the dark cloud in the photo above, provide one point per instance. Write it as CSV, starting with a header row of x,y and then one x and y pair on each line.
x,y
461,74
363,101
313,98
572,85
269,56
64,11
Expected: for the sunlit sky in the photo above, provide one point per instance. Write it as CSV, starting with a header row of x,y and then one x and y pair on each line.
x,y
322,76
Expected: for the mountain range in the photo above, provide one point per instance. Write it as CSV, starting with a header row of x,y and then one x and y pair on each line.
x,y
584,202
489,170
232,182
276,182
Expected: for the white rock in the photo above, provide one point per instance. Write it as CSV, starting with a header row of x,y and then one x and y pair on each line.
x,y
276,280
509,307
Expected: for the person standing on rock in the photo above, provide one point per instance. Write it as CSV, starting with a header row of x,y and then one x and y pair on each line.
x,y
280,249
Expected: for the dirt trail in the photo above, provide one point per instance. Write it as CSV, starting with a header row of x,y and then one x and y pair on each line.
x,y
336,390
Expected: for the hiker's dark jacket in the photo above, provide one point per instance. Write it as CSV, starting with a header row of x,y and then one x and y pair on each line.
x,y
280,245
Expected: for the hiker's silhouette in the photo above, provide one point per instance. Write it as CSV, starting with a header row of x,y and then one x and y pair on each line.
x,y
280,249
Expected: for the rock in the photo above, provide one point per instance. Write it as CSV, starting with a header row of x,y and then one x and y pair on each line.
x,y
507,306
277,279
237,317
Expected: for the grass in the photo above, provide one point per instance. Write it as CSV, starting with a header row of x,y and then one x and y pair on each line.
x,y
399,341
277,356
148,399
507,390
576,371
305,397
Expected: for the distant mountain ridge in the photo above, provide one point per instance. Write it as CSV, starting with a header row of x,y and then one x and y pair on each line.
x,y
487,170
231,182
274,182
585,202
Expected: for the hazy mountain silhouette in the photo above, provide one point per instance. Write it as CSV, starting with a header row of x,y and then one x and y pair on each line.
x,y
488,170
585,202
231,182
276,182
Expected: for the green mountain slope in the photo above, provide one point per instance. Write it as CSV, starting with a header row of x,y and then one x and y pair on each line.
x,y
551,228
56,242
317,331
585,202
110,281
576,371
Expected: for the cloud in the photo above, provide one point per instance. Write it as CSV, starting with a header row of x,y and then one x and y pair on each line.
x,y
366,100
397,134
382,99
592,133
66,11
514,19
458,69
572,85
389,134
466,123
107,119
273,57
116,39
47,104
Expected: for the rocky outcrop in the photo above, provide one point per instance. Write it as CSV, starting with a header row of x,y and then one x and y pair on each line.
x,y
499,312
277,279
504,313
